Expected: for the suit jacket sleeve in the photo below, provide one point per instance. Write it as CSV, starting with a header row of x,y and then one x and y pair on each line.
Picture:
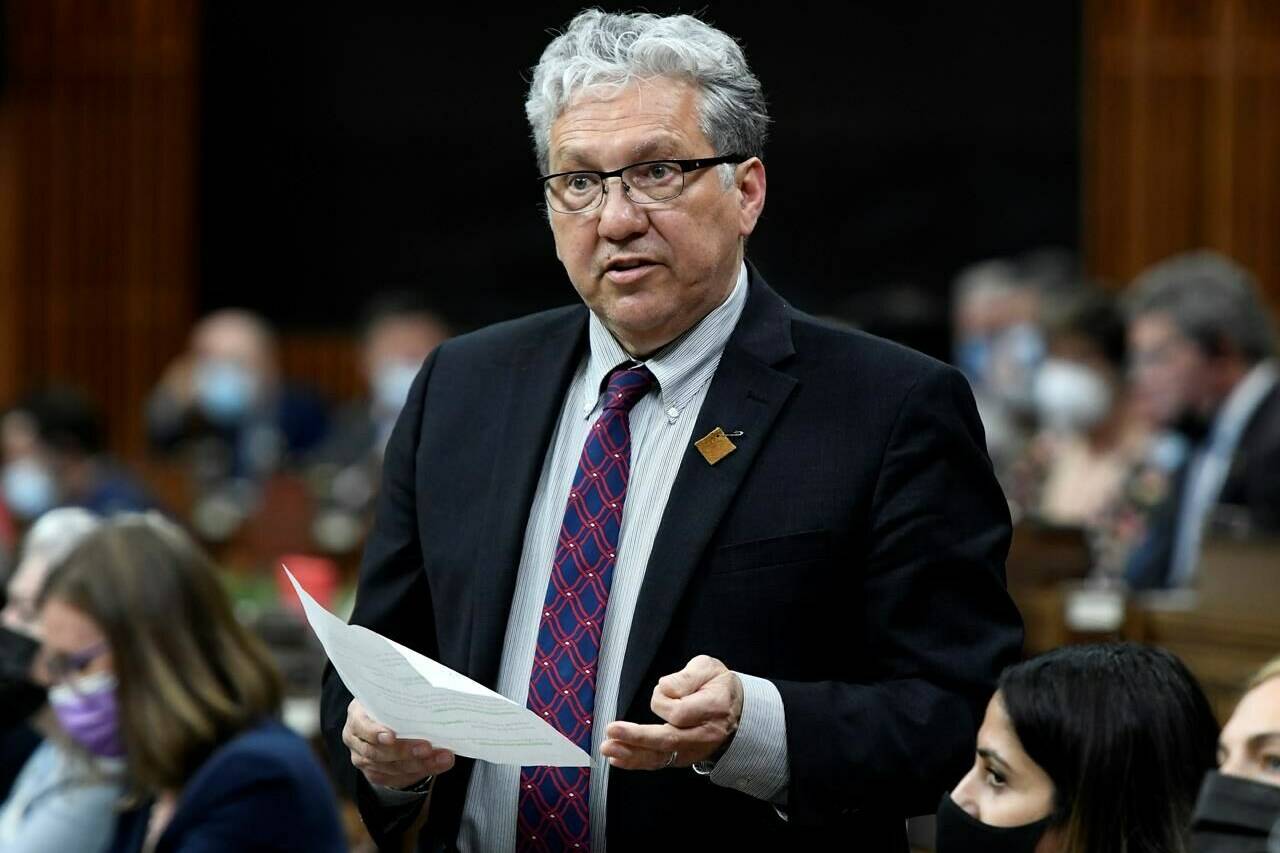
x,y
392,598
934,615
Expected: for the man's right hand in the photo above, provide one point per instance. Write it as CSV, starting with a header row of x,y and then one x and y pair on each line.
x,y
385,759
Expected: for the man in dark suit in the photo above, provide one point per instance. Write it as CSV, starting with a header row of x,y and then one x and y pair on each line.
x,y
753,564
1203,351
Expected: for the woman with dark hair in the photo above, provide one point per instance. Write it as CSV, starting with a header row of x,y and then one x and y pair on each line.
x,y
1086,749
149,665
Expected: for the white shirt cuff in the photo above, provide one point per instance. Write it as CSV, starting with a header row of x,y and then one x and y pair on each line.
x,y
392,797
756,761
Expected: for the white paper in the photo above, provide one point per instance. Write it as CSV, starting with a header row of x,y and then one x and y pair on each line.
x,y
419,698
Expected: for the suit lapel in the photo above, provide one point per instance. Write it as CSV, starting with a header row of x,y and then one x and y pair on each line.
x,y
746,394
533,388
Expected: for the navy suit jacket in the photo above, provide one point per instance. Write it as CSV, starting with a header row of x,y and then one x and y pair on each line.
x,y
852,550
261,792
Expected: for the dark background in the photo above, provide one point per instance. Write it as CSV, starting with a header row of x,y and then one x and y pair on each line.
x,y
346,149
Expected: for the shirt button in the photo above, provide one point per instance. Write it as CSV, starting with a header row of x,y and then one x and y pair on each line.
x,y
673,412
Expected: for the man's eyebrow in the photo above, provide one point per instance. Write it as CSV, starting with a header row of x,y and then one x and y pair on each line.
x,y
572,157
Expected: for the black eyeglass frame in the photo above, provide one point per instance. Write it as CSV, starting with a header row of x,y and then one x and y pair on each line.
x,y
686,166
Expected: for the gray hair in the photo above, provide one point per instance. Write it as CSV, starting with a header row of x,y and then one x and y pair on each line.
x,y
1210,298
56,534
600,49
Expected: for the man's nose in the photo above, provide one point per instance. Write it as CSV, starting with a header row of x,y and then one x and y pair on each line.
x,y
620,217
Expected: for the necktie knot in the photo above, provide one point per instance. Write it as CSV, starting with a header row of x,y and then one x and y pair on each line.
x,y
626,387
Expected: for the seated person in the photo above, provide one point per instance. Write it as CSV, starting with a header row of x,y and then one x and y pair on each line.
x,y
150,665
60,799
1203,354
54,455
1086,749
225,400
399,332
1092,462
1239,805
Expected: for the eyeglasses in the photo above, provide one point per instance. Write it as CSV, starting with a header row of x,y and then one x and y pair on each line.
x,y
62,666
647,182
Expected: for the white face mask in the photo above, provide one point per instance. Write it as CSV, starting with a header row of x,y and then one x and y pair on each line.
x,y
1071,397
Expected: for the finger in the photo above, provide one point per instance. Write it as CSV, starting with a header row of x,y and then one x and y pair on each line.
x,y
694,709
696,673
365,727
663,739
438,761
627,757
400,750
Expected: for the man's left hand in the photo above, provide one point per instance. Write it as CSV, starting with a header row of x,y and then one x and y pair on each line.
x,y
701,704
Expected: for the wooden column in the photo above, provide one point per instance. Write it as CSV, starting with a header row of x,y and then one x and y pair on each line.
x,y
98,153
1182,133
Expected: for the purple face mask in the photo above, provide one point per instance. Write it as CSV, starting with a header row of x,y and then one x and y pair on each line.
x,y
88,713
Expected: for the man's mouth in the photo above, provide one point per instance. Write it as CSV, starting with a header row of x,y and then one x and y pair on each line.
x,y
625,269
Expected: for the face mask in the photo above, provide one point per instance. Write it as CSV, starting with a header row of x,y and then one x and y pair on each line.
x,y
1016,356
1070,397
19,697
391,383
960,832
1233,815
225,391
972,356
29,488
88,713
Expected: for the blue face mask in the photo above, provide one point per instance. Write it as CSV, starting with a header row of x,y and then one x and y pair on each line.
x,y
29,489
225,391
391,384
973,357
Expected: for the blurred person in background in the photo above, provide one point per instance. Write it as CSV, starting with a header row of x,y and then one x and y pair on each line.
x,y
398,332
998,345
54,455
225,398
1092,462
1239,803
60,799
150,666
1202,350
1085,749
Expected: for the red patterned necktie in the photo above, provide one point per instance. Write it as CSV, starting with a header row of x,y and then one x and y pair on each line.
x,y
554,812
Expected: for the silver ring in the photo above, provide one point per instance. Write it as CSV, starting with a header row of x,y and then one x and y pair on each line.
x,y
671,759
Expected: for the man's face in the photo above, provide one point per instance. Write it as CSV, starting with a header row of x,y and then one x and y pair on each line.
x,y
1171,374
688,249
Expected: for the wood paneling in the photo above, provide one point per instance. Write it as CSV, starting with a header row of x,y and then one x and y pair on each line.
x,y
97,174
1182,133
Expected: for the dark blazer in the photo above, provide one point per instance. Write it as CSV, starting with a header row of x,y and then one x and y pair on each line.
x,y
261,792
851,550
1250,492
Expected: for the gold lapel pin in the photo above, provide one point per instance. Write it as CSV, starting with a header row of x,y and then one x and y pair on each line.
x,y
716,445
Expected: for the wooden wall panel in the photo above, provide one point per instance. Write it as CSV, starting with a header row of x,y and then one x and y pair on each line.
x,y
1182,133
98,149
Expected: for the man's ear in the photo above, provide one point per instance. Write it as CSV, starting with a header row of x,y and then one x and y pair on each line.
x,y
749,177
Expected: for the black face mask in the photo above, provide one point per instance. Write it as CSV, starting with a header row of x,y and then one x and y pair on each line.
x,y
19,697
960,832
1234,815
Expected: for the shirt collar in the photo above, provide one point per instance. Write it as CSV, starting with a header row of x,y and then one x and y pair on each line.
x,y
1241,403
681,368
